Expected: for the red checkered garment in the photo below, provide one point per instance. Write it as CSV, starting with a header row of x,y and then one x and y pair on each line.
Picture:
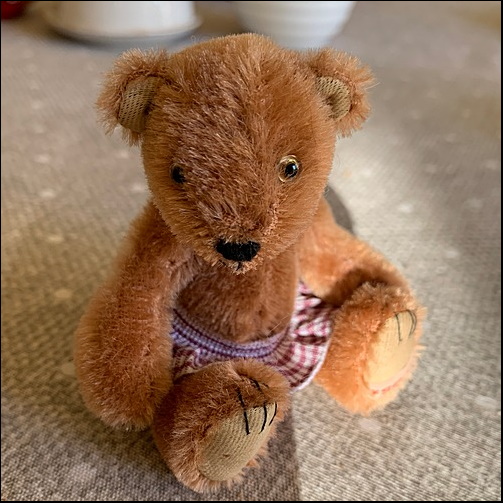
x,y
297,352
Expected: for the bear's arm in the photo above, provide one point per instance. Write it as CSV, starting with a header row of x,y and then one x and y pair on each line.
x,y
123,348
334,263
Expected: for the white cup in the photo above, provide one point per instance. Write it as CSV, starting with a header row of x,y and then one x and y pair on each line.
x,y
124,19
297,25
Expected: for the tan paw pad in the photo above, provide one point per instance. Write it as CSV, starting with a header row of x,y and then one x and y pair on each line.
x,y
236,441
392,352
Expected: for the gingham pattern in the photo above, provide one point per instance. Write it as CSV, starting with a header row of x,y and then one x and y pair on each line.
x,y
297,352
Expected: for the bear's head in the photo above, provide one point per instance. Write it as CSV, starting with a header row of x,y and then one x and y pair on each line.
x,y
237,137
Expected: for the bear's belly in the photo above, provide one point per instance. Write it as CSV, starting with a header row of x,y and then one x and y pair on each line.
x,y
242,307
297,351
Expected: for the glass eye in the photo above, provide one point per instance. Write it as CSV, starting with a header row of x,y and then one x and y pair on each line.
x,y
177,175
288,168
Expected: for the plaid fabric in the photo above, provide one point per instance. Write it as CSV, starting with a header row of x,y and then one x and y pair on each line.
x,y
297,352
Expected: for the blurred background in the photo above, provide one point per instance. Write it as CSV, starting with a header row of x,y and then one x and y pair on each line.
x,y
421,182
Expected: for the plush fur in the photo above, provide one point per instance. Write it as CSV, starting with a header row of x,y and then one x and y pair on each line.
x,y
221,116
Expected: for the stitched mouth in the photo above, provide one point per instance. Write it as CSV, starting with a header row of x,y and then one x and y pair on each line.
x,y
238,267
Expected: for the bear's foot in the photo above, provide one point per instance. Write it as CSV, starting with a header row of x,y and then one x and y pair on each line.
x,y
237,440
217,421
393,352
374,348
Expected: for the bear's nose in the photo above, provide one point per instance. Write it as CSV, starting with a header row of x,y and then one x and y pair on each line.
x,y
240,252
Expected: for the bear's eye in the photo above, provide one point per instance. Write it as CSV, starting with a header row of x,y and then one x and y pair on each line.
x,y
288,168
177,175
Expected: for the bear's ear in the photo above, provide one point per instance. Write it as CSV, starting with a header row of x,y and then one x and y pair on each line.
x,y
128,91
342,81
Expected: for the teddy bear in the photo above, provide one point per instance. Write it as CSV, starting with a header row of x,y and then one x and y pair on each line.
x,y
234,286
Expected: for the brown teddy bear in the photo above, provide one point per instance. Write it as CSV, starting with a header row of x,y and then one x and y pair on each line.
x,y
235,286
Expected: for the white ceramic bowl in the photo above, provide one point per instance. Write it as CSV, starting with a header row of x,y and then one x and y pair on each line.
x,y
297,25
123,19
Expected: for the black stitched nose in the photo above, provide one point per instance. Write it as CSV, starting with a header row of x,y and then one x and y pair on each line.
x,y
240,252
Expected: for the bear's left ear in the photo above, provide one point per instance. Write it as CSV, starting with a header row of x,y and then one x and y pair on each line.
x,y
342,81
129,89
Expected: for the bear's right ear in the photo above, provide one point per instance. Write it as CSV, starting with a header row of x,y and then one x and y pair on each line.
x,y
128,91
342,81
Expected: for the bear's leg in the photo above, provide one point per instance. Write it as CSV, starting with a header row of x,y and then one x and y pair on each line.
x,y
374,347
215,422
377,326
